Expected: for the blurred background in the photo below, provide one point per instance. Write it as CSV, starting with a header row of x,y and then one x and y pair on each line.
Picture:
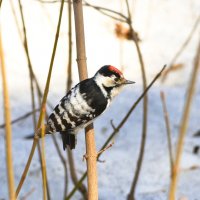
x,y
168,32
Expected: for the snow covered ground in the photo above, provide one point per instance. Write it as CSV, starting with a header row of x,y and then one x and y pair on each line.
x,y
163,27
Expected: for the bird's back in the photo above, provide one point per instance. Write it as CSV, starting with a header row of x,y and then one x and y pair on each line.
x,y
79,107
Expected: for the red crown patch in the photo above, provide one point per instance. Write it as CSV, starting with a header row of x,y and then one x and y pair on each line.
x,y
114,69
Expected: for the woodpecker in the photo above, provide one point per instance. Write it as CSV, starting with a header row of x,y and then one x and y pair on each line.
x,y
84,103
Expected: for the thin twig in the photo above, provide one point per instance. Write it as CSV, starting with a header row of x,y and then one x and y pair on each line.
x,y
113,134
63,162
112,124
28,57
184,124
78,185
145,106
8,128
186,42
106,148
15,18
44,175
69,79
25,42
104,11
40,121
39,98
85,156
28,194
21,117
74,177
180,51
36,82
69,66
167,123
52,1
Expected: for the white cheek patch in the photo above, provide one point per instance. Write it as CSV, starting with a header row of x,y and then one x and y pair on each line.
x,y
109,81
105,80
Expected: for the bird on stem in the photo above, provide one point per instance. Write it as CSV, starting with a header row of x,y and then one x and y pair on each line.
x,y
84,103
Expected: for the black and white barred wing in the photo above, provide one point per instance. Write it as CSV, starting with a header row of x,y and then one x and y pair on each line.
x,y
75,110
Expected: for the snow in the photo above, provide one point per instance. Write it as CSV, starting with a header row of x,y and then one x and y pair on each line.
x,y
163,27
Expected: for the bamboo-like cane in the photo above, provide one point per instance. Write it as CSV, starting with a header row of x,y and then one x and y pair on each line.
x,y
72,167
8,130
90,139
184,125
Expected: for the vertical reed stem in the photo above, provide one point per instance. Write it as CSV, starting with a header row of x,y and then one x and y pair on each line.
x,y
168,129
8,129
73,174
184,125
90,139
131,195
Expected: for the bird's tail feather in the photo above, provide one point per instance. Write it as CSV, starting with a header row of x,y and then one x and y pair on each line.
x,y
69,140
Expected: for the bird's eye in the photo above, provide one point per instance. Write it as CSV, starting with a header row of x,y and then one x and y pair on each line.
x,y
116,79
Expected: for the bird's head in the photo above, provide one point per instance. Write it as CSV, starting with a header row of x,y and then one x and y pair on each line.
x,y
111,79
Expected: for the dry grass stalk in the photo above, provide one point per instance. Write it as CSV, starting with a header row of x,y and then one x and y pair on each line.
x,y
172,65
167,123
25,44
145,106
184,125
15,18
69,67
43,161
31,74
42,112
28,194
39,95
74,176
8,129
90,139
107,12
21,118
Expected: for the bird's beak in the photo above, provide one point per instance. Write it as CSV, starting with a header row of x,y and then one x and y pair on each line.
x,y
127,82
